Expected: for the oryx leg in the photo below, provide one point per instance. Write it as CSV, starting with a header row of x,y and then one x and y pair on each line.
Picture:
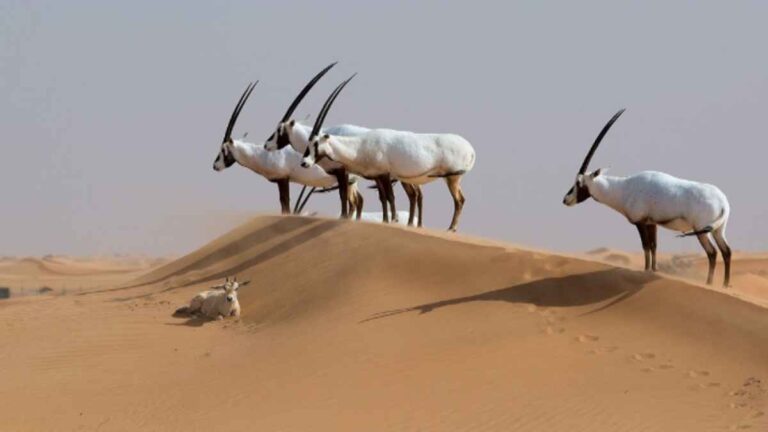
x,y
725,250
420,202
410,191
284,186
342,180
356,203
711,254
391,197
642,229
652,238
383,197
454,186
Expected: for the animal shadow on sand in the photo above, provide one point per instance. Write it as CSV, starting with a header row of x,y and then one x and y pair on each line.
x,y
612,286
281,248
191,320
261,235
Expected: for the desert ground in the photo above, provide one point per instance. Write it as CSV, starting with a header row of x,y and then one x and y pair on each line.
x,y
365,327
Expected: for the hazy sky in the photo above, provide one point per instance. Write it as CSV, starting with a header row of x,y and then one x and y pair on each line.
x,y
111,113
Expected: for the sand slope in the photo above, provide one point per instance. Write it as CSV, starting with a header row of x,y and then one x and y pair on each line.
x,y
356,326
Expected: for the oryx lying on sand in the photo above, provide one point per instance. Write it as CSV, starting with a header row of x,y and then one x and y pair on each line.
x,y
217,303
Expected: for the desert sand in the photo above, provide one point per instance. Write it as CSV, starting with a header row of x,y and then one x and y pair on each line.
x,y
364,327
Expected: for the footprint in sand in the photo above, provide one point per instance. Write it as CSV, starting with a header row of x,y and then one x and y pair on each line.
x,y
554,330
757,414
647,369
741,427
697,374
603,350
643,356
666,366
588,338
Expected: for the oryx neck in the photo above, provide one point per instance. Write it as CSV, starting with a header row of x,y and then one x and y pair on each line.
x,y
299,136
243,151
607,190
344,149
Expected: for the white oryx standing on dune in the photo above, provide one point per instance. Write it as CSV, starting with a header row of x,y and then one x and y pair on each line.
x,y
385,154
290,132
280,167
653,198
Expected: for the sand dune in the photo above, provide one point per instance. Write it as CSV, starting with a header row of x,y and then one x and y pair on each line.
x,y
749,277
357,326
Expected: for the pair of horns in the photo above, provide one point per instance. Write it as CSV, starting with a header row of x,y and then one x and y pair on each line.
x,y
599,138
327,106
304,92
236,113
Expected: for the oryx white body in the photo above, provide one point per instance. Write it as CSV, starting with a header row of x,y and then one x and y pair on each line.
x,y
406,156
652,197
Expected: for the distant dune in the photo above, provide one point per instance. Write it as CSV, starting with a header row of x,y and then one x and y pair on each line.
x,y
359,326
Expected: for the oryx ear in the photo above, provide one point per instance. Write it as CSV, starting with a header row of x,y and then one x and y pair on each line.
x,y
599,172
292,123
326,137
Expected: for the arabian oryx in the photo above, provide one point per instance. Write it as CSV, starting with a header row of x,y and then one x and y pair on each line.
x,y
653,198
218,302
281,167
385,154
290,132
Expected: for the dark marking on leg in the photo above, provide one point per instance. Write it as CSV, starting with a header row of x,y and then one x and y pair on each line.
x,y
342,180
383,198
711,254
284,187
454,186
725,250
390,196
642,229
420,200
409,190
653,234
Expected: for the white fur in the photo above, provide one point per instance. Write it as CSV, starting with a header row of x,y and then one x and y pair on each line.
x,y
657,198
217,303
410,157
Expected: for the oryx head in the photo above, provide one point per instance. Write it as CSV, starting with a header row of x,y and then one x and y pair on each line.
x,y
579,192
318,147
280,138
231,287
226,158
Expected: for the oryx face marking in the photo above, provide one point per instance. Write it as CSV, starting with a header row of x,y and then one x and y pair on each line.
x,y
225,158
316,151
579,192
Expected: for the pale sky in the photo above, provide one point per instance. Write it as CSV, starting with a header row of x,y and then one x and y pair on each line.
x,y
111,113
